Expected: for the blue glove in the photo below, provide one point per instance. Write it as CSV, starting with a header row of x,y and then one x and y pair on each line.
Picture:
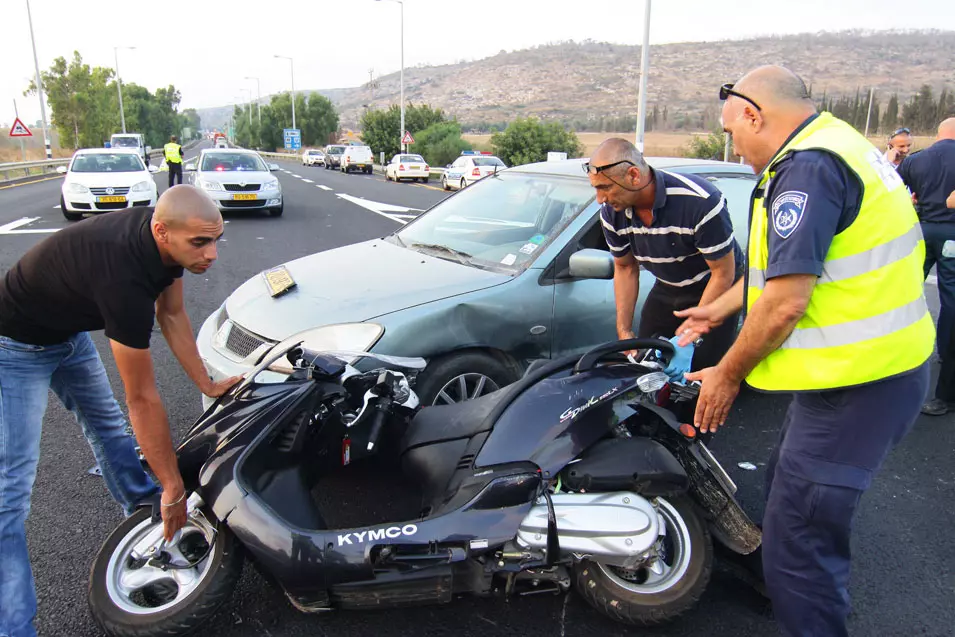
x,y
680,361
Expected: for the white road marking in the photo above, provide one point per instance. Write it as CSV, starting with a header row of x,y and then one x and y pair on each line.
x,y
11,228
56,207
296,176
308,181
382,209
323,187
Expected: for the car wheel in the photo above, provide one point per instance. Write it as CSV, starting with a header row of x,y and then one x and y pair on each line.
x,y
70,216
444,183
458,377
277,212
463,184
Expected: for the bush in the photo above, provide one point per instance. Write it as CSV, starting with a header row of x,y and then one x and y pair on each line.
x,y
440,144
709,147
528,140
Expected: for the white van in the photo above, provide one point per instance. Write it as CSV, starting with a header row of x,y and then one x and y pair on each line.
x,y
131,140
357,158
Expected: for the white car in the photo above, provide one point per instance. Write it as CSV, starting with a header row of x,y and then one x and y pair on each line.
x,y
237,179
468,168
404,166
357,158
313,157
104,179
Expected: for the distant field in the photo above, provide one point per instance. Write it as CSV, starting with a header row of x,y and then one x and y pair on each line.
x,y
33,154
665,144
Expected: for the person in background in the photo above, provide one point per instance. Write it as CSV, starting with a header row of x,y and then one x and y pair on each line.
x,y
930,175
174,159
900,144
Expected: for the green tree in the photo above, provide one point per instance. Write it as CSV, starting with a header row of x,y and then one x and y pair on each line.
x,y
709,147
528,140
319,120
381,129
440,143
192,121
890,119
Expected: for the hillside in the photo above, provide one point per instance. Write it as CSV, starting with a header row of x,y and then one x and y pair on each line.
x,y
583,83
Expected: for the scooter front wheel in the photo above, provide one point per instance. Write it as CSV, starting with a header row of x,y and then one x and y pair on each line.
x,y
135,593
666,584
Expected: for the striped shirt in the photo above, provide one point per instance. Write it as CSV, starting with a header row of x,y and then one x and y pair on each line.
x,y
690,226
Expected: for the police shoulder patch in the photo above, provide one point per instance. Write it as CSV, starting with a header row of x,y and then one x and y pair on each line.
x,y
788,208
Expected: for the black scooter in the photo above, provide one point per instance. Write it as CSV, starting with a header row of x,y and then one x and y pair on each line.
x,y
347,495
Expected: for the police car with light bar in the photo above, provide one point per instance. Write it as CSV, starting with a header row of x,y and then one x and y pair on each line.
x,y
471,166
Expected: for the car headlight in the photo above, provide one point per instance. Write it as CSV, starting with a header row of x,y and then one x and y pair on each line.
x,y
209,185
142,186
344,337
271,184
77,189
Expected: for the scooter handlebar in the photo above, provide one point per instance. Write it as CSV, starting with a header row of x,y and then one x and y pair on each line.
x,y
382,411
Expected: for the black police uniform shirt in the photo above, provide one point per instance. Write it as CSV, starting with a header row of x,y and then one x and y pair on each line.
x,y
691,225
930,175
103,273
813,196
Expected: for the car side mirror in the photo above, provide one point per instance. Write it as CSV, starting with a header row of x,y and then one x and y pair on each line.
x,y
61,170
189,168
274,167
448,166
591,263
149,149
153,169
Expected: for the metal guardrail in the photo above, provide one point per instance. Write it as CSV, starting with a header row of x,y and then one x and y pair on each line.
x,y
8,171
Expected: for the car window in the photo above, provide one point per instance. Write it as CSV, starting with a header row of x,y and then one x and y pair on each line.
x,y
107,163
737,191
227,162
412,158
487,161
502,222
124,142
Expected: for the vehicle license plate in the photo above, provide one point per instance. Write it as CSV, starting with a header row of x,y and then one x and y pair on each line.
x,y
111,199
245,197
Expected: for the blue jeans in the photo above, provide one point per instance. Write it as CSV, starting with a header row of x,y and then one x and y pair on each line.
x,y
75,372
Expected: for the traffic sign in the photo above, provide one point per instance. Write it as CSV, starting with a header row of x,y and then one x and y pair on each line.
x,y
407,139
293,138
19,129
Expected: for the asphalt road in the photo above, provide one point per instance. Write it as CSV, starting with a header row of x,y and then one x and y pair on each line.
x,y
903,579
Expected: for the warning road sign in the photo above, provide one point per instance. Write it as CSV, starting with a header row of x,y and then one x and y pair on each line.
x,y
19,129
407,139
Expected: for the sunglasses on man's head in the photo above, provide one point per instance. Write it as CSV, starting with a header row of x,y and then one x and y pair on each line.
x,y
727,89
590,169
900,131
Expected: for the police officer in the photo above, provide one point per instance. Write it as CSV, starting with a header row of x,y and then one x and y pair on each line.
x,y
930,175
832,230
174,158
900,143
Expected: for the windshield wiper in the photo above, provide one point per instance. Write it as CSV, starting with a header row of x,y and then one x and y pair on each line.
x,y
461,257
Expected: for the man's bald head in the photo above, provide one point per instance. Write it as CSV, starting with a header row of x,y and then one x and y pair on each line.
x,y
946,130
776,88
617,149
183,203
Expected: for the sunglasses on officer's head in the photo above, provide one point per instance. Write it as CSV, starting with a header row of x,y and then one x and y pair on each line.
x,y
590,169
900,131
727,89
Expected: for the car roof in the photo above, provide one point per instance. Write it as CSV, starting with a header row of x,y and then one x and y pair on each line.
x,y
107,151
242,151
573,167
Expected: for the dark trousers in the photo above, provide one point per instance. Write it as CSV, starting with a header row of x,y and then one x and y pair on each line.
x,y
936,234
658,320
831,445
175,170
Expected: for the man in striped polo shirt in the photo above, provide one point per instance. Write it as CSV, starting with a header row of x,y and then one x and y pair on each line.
x,y
675,226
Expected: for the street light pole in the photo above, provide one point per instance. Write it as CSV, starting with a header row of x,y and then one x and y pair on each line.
x,y
39,87
402,4
250,105
644,71
119,84
258,94
292,68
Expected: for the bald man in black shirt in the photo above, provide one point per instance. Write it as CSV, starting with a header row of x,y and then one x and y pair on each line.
x,y
115,272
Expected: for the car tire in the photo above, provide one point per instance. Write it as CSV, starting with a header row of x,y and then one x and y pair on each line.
x,y
424,180
277,212
444,183
463,184
471,365
70,216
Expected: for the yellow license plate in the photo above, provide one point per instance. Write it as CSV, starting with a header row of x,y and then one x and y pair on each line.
x,y
245,197
415,168
111,200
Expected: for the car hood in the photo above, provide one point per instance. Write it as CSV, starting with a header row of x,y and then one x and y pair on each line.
x,y
106,179
352,284
235,176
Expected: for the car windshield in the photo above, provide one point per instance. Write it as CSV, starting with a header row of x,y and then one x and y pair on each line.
x,y
411,158
315,153
107,163
488,161
124,142
502,222
227,162
335,150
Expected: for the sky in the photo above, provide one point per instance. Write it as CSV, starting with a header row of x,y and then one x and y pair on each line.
x,y
207,48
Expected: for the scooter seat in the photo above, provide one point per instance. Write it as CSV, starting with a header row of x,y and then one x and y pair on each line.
x,y
453,422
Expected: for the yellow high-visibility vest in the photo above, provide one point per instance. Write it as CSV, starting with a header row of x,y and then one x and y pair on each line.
x,y
867,318
173,153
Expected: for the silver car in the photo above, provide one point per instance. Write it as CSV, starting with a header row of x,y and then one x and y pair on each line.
x,y
237,179
508,271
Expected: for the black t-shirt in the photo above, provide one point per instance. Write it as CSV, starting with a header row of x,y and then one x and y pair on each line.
x,y
930,174
101,273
